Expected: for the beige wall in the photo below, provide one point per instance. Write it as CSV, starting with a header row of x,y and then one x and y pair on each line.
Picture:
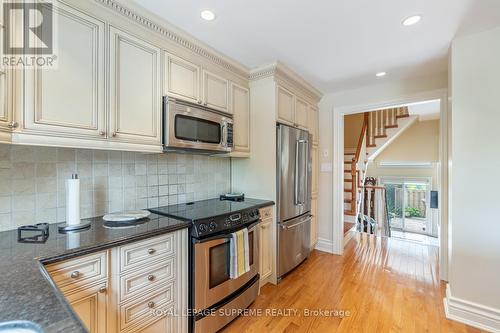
x,y
352,129
475,249
419,143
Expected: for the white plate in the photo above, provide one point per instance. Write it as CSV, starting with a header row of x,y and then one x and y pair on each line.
x,y
127,216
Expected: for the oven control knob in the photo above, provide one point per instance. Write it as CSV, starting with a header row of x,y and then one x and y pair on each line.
x,y
202,227
212,226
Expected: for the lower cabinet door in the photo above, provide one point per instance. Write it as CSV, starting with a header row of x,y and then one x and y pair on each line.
x,y
91,305
314,222
266,253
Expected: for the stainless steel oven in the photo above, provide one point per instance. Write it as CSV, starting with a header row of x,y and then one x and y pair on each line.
x,y
188,126
215,293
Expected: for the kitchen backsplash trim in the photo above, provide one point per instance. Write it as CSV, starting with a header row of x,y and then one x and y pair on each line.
x,y
32,181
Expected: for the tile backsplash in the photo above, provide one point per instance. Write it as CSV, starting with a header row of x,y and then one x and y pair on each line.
x,y
32,181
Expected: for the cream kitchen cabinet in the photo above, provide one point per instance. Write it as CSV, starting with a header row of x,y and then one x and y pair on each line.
x,y
292,110
286,106
84,282
190,82
301,113
215,91
182,79
91,306
314,221
135,85
5,110
129,288
266,250
313,123
240,108
69,100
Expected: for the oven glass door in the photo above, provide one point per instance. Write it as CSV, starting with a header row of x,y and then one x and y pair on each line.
x,y
212,281
197,129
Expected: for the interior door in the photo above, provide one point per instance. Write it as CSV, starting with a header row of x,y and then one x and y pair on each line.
x,y
294,168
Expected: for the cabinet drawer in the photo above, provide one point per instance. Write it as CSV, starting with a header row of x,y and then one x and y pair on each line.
x,y
73,273
266,212
152,277
139,313
146,252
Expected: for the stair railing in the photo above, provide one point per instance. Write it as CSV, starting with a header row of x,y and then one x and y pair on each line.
x,y
375,213
358,164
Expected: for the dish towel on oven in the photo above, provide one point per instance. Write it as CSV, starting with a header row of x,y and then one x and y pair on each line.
x,y
240,254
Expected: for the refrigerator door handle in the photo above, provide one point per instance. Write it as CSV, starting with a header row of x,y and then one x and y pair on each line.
x,y
299,165
306,170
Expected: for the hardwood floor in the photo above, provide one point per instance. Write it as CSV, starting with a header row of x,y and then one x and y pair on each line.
x,y
387,285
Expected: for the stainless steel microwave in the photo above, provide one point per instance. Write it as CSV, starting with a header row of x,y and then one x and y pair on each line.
x,y
192,127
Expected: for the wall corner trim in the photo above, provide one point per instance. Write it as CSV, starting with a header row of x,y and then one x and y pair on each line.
x,y
470,313
324,245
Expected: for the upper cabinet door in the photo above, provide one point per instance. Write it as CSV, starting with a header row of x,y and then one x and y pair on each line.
x,y
135,89
313,123
240,107
70,99
182,79
301,112
5,115
286,106
215,91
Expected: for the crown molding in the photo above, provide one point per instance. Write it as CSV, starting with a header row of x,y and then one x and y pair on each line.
x,y
179,38
282,73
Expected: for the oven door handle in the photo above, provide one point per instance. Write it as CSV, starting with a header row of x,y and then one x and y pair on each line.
x,y
226,236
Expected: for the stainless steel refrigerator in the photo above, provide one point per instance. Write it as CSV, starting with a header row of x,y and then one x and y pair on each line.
x,y
294,197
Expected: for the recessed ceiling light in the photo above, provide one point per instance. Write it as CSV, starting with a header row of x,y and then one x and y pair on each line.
x,y
411,20
381,74
208,15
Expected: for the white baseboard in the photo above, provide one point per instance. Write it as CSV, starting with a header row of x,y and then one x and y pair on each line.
x,y
470,313
324,245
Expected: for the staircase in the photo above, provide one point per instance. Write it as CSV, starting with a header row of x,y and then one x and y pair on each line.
x,y
378,130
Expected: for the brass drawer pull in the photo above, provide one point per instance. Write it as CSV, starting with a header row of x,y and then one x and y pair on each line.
x,y
103,289
151,277
75,274
151,251
151,305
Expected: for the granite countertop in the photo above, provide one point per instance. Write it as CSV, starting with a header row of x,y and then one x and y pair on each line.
x,y
26,291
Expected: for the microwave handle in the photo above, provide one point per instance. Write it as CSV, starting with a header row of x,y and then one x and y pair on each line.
x,y
224,134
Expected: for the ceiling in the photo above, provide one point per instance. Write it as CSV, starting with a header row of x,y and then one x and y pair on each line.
x,y
334,44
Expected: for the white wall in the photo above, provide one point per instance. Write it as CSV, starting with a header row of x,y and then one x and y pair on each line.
x,y
383,93
474,274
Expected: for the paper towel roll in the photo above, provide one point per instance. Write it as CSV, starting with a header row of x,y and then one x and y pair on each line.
x,y
73,200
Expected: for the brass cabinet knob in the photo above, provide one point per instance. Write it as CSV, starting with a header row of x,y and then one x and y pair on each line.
x,y
103,290
151,251
12,125
75,274
151,277
102,133
151,305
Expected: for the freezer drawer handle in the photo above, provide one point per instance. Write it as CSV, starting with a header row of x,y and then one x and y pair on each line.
x,y
297,224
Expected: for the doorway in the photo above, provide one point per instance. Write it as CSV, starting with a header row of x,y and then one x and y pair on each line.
x,y
339,112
